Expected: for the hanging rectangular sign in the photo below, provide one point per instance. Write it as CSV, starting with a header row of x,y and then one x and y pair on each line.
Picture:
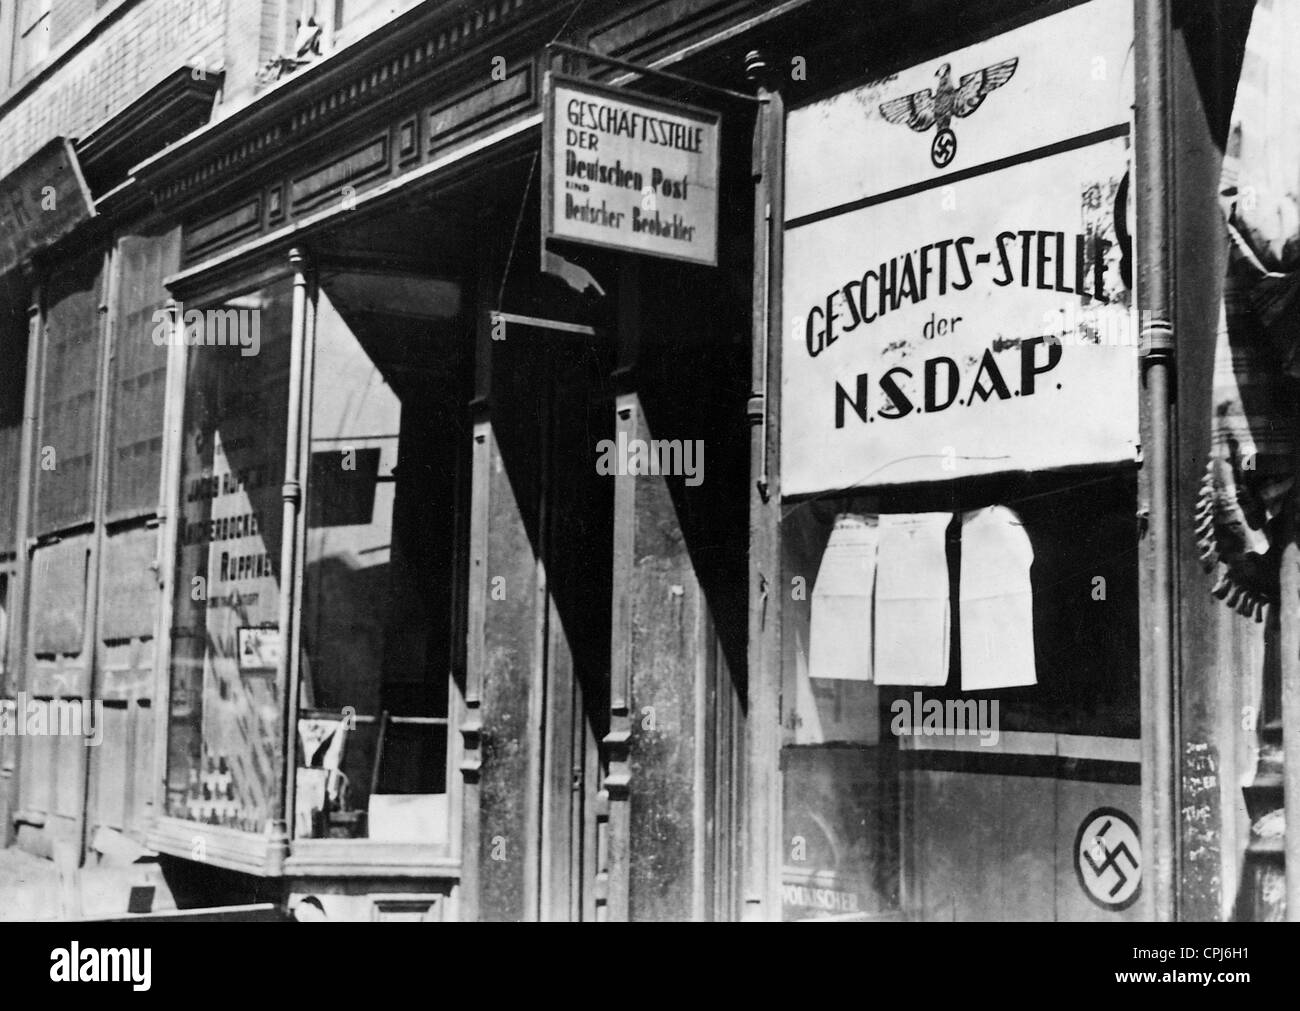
x,y
629,171
957,264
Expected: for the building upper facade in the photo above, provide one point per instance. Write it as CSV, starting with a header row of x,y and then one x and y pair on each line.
x,y
69,66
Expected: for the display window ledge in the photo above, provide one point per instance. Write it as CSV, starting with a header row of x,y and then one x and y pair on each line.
x,y
233,849
1021,742
262,855
370,858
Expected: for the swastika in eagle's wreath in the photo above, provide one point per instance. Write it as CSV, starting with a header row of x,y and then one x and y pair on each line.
x,y
938,105
1108,858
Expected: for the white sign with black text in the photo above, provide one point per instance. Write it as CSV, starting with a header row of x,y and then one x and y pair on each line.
x,y
957,264
630,172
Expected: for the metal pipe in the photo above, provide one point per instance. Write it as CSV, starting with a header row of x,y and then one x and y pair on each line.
x,y
762,783
291,495
170,517
308,388
1153,176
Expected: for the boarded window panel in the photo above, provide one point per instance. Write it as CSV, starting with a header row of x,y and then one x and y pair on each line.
x,y
58,601
37,774
124,761
13,376
130,584
7,685
70,752
66,445
8,742
112,761
139,373
10,442
141,801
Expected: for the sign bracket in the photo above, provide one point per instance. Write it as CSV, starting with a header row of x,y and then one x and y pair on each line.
x,y
637,68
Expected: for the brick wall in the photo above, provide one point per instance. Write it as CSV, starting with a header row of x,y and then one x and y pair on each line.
x,y
126,57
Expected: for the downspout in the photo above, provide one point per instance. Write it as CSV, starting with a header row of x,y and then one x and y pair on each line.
x,y
762,774
296,586
291,495
170,518
1154,181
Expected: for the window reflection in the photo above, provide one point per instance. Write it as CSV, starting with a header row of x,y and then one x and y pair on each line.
x,y
225,715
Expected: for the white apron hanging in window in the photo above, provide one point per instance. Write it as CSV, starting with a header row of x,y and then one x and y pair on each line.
x,y
997,602
912,612
839,644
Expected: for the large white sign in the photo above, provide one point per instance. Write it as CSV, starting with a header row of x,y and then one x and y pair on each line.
x,y
630,172
957,264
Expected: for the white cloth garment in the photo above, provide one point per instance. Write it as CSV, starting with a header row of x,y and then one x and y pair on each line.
x,y
997,601
839,637
912,612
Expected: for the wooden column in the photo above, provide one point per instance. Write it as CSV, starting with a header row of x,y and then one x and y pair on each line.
x,y
501,729
658,818
109,293
10,773
618,778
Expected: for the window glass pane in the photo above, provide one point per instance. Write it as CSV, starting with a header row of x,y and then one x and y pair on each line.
x,y
224,752
355,17
908,792
840,779
377,584
31,36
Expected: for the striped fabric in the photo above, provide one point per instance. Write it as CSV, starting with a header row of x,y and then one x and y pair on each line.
x,y
1257,356
1251,450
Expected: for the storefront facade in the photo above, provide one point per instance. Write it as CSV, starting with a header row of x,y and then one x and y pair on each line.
x,y
392,511
420,641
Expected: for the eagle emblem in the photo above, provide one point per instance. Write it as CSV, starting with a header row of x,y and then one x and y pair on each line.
x,y
937,106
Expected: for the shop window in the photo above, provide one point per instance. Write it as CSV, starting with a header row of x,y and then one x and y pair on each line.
x,y
302,31
354,18
39,28
378,582
893,740
224,757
